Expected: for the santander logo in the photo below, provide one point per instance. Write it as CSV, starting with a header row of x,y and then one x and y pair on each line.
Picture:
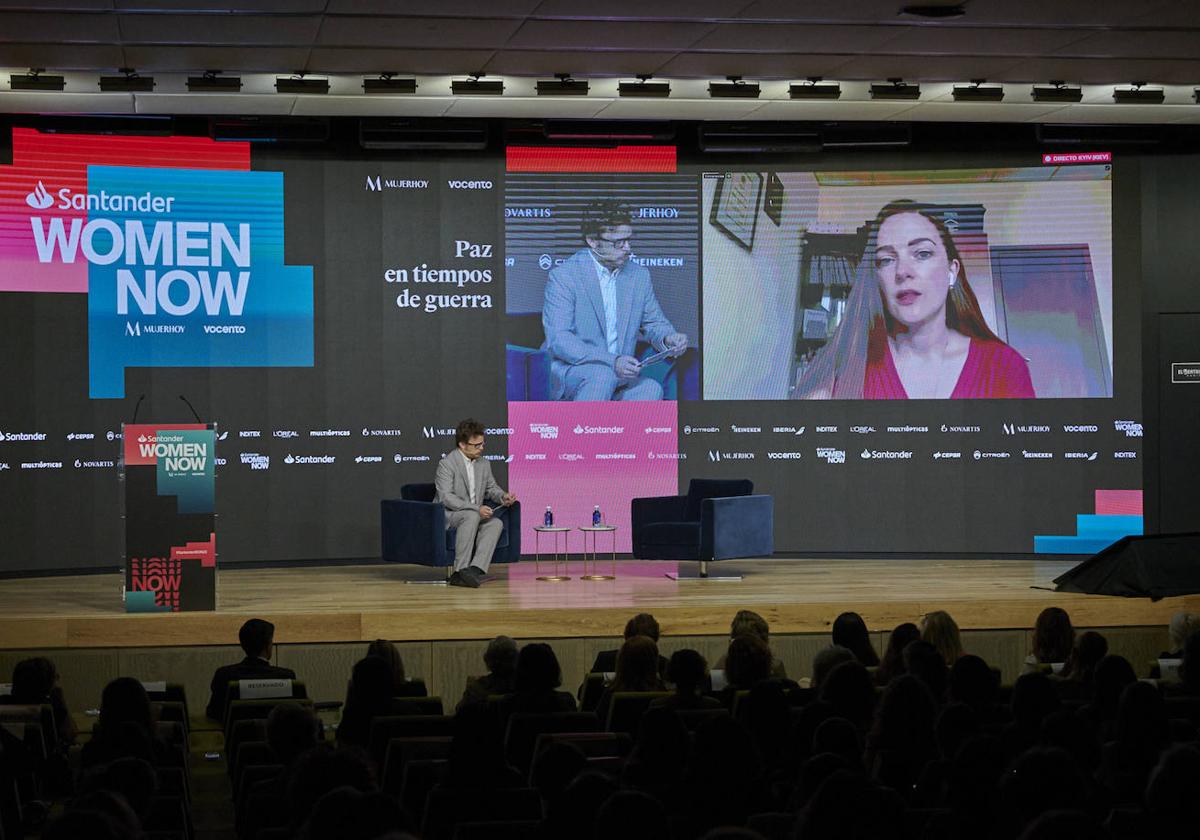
x,y
39,199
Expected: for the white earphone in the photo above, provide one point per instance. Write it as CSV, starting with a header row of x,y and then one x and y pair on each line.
x,y
950,275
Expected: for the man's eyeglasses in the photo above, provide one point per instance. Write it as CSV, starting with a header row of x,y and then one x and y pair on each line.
x,y
619,244
470,445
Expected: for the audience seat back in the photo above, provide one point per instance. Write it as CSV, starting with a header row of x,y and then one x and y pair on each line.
x,y
523,731
384,729
627,707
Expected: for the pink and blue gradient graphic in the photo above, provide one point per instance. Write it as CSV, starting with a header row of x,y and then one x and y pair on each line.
x,y
221,296
1118,514
44,165
574,456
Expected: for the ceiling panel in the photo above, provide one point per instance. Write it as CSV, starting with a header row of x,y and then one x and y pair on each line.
x,y
943,40
371,106
1124,114
212,103
62,56
1158,44
331,60
831,11
921,68
1056,12
31,102
641,10
1098,71
497,106
219,29
750,65
459,8
230,6
64,5
977,112
795,38
58,27
789,110
592,34
679,109
399,33
228,59
547,63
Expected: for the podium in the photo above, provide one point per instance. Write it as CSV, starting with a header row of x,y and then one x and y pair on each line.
x,y
168,477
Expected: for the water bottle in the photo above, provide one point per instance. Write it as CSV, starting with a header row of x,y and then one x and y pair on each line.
x,y
597,518
548,521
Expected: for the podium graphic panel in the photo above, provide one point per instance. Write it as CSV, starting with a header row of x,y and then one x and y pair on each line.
x,y
170,531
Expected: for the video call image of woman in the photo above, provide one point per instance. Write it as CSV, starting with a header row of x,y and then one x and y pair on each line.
x,y
912,327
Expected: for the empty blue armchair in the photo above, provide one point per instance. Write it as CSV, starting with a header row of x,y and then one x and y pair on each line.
x,y
716,520
413,530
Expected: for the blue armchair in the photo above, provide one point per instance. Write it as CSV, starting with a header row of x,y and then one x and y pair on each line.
x,y
413,530
716,520
527,374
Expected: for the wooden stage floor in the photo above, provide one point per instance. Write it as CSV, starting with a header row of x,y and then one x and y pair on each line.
x,y
358,603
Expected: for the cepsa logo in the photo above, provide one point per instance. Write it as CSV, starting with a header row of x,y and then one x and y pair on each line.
x,y
178,245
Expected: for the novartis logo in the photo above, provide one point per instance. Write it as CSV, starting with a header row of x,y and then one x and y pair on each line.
x,y
39,199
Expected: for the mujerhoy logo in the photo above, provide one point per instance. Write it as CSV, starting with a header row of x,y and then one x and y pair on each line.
x,y
39,199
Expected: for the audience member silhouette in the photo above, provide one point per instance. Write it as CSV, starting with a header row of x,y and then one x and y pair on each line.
x,y
1142,733
1113,673
892,664
825,661
724,776
901,739
637,670
346,813
851,806
1065,825
536,678
841,737
1171,801
642,624
99,815
35,683
320,770
1039,781
631,815
941,631
402,686
133,779
850,631
1189,668
1089,648
747,622
748,661
925,662
257,638
500,657
1034,698
125,728
659,756
477,753
688,672
369,696
850,693
1181,626
1053,638
574,813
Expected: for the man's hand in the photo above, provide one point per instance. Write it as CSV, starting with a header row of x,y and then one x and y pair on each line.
x,y
677,343
627,367
508,499
485,513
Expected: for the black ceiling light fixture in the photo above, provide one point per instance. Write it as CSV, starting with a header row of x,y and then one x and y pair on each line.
x,y
476,85
562,85
213,82
128,82
896,88
1138,94
387,83
1057,91
34,80
813,88
734,87
979,91
296,83
643,87
935,11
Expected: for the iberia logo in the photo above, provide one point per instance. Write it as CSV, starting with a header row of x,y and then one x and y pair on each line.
x,y
176,241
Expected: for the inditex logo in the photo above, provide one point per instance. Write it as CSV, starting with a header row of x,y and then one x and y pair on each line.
x,y
39,199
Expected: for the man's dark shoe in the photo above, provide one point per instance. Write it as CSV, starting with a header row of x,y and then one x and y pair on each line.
x,y
462,579
478,573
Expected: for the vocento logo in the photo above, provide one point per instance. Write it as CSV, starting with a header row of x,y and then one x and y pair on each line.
x,y
177,243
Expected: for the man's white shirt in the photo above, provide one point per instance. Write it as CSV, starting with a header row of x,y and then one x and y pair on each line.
x,y
470,475
608,291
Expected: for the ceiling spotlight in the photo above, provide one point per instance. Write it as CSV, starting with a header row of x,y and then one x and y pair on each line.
x,y
644,87
936,11
813,89
734,88
896,88
977,92
563,85
298,84
213,82
476,85
1137,95
34,80
130,82
1056,91
388,83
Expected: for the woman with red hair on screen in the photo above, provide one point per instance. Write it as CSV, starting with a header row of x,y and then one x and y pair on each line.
x,y
912,327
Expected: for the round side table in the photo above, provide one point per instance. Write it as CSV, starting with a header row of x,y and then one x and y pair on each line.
x,y
562,557
594,530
